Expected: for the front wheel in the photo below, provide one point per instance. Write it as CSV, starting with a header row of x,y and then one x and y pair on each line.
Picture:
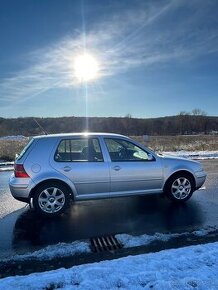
x,y
51,199
179,188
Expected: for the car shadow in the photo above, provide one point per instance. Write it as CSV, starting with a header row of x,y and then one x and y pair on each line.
x,y
83,220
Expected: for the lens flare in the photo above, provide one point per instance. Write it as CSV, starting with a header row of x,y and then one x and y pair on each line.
x,y
85,67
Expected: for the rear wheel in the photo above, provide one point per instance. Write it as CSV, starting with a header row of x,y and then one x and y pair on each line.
x,y
51,199
180,187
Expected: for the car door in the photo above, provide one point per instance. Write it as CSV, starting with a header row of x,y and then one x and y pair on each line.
x,y
132,170
81,160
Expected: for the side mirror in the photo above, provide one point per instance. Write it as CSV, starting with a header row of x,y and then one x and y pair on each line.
x,y
150,157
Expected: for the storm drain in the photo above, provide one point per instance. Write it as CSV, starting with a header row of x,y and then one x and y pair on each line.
x,y
108,243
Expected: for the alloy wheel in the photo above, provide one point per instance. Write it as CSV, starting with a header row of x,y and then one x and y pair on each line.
x,y
181,188
51,200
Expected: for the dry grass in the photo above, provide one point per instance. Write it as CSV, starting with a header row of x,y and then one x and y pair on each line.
x,y
181,142
9,148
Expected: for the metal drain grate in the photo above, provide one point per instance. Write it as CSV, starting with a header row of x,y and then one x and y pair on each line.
x,y
108,243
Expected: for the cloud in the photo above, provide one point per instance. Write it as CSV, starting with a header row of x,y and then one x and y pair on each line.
x,y
140,36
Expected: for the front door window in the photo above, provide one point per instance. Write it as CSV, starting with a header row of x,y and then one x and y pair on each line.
x,y
122,150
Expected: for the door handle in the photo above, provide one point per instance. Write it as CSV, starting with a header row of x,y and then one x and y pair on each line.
x,y
67,168
116,168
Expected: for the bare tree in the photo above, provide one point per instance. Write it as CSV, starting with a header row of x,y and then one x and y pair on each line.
x,y
183,122
127,124
200,120
198,112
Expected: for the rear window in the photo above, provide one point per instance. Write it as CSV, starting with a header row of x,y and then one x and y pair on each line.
x,y
25,149
79,150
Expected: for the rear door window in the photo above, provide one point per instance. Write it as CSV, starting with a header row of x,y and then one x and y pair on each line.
x,y
79,150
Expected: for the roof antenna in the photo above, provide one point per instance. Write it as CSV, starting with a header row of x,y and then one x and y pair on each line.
x,y
43,130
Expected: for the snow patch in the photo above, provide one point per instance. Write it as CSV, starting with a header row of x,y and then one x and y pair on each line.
x,y
6,166
79,247
200,155
14,138
129,241
54,251
185,268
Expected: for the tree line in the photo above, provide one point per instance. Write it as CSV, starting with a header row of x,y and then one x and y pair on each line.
x,y
195,122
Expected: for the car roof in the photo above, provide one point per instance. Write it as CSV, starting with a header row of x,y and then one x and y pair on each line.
x,y
82,134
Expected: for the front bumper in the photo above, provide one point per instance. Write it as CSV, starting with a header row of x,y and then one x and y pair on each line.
x,y
200,177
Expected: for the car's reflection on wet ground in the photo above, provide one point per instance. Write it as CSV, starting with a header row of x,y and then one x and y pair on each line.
x,y
135,215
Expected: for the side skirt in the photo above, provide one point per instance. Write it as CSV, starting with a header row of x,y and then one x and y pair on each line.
x,y
116,194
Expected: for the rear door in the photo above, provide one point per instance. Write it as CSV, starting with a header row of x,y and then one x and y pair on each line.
x,y
81,160
131,168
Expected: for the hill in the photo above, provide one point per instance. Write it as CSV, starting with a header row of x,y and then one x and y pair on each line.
x,y
172,125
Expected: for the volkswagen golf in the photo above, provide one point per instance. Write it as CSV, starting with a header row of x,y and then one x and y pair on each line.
x,y
52,170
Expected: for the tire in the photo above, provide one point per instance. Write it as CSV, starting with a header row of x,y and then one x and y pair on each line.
x,y
180,187
51,199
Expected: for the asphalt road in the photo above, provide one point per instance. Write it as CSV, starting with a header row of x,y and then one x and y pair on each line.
x,y
21,230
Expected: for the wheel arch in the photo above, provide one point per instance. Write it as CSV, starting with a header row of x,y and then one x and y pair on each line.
x,y
184,172
53,180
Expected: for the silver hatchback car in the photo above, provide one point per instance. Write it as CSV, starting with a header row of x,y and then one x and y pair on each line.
x,y
54,169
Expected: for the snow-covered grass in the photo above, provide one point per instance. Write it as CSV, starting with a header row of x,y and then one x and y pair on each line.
x,y
2,163
6,166
83,247
129,241
54,251
14,138
193,267
201,155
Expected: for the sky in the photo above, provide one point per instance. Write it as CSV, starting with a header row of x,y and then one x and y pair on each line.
x,y
155,57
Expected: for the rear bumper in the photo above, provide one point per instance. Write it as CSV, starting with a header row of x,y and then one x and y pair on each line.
x,y
20,188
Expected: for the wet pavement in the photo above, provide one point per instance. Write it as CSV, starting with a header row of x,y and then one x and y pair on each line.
x,y
21,230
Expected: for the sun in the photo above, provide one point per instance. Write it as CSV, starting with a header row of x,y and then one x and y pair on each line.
x,y
85,67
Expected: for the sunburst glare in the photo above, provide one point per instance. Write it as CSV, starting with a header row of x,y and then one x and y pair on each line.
x,y
85,67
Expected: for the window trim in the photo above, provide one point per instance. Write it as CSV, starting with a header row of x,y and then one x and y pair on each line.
x,y
79,161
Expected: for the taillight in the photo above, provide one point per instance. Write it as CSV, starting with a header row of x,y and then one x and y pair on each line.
x,y
19,171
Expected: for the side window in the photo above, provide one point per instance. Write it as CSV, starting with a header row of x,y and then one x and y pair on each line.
x,y
25,149
121,150
79,150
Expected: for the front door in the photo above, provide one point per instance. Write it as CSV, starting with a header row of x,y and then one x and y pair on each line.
x,y
131,169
